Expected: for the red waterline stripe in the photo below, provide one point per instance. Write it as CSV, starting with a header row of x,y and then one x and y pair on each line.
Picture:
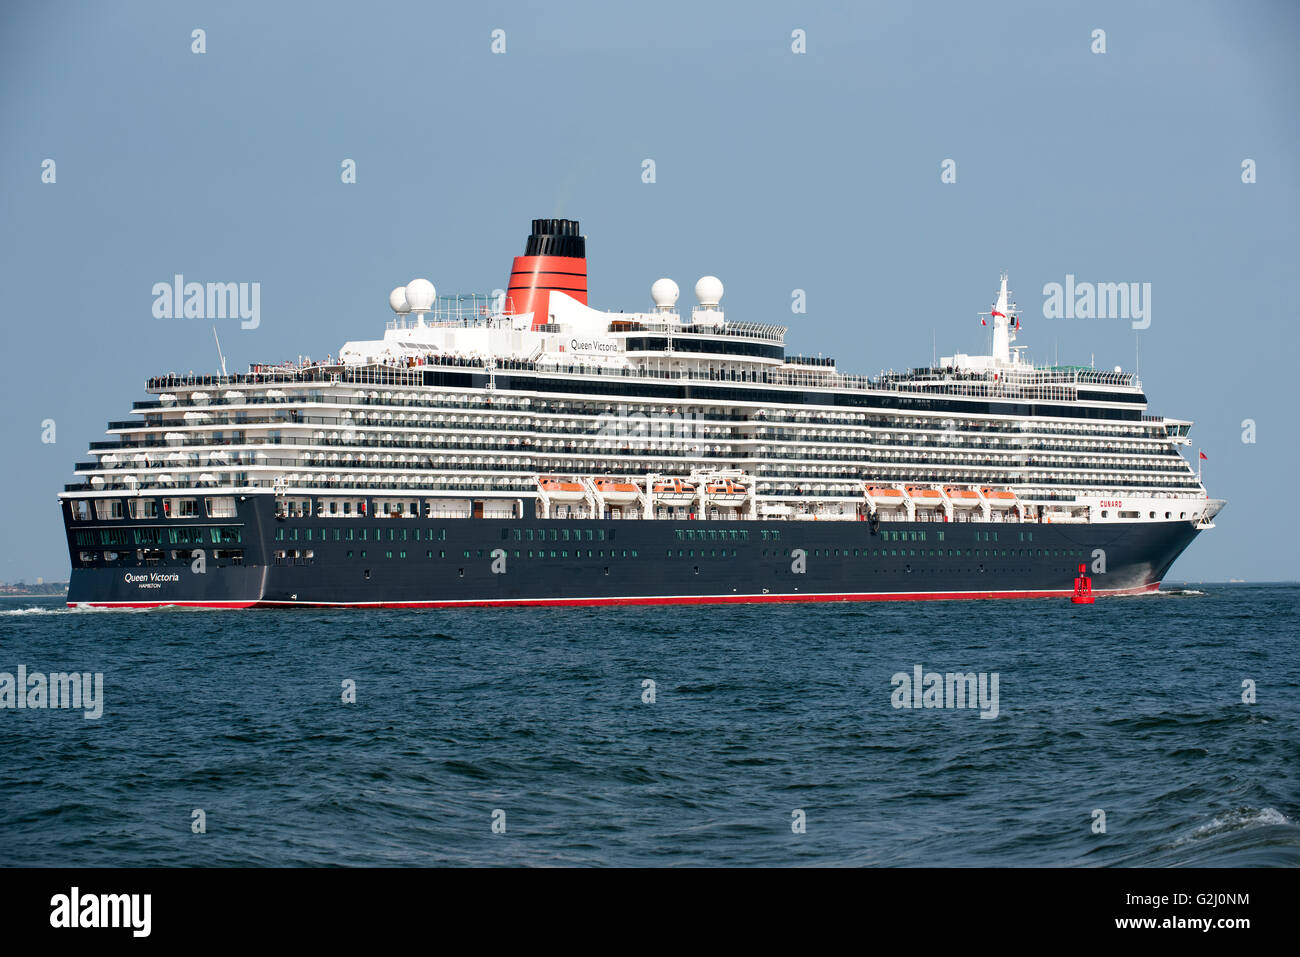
x,y
661,600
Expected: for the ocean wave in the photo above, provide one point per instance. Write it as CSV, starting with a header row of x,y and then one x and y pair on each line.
x,y
88,610
1235,820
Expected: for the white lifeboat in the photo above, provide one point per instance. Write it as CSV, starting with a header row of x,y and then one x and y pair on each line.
x,y
999,497
962,497
725,491
885,496
559,491
674,491
926,497
616,492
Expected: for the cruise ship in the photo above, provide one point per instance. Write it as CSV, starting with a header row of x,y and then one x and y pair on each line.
x,y
525,448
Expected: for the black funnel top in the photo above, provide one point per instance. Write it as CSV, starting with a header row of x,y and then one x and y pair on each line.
x,y
556,237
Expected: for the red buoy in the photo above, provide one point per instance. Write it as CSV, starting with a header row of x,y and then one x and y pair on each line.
x,y
1083,587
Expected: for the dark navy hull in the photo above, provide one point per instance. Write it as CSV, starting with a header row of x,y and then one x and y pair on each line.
x,y
466,561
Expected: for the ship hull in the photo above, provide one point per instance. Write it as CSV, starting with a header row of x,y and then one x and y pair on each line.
x,y
436,562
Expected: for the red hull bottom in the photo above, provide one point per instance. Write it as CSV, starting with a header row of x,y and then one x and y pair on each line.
x,y
656,600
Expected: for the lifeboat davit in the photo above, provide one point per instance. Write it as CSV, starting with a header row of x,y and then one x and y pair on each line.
x,y
674,491
999,497
726,491
562,491
617,492
962,497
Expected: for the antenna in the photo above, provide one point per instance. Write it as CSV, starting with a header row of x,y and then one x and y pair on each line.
x,y
219,355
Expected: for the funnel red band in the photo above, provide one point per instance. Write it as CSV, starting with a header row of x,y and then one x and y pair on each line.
x,y
533,278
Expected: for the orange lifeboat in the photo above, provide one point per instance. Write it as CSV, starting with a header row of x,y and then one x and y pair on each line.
x,y
616,492
999,498
674,491
924,496
726,491
562,491
889,496
962,497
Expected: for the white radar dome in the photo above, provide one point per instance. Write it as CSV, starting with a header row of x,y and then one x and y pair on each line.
x,y
397,300
664,293
420,294
709,291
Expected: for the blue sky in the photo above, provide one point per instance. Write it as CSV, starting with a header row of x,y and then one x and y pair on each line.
x,y
774,171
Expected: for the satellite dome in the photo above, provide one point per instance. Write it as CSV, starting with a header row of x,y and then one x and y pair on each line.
x,y
709,291
664,293
397,300
420,294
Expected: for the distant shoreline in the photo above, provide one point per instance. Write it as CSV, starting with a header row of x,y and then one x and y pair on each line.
x,y
50,590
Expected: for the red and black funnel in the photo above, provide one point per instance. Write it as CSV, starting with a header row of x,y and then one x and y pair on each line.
x,y
555,260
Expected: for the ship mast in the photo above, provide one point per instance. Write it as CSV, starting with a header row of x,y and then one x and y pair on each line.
x,y
1006,321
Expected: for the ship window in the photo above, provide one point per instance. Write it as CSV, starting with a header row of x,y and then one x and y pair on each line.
x,y
1105,514
349,553
144,508
181,507
108,508
388,554
223,507
80,509
1152,514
